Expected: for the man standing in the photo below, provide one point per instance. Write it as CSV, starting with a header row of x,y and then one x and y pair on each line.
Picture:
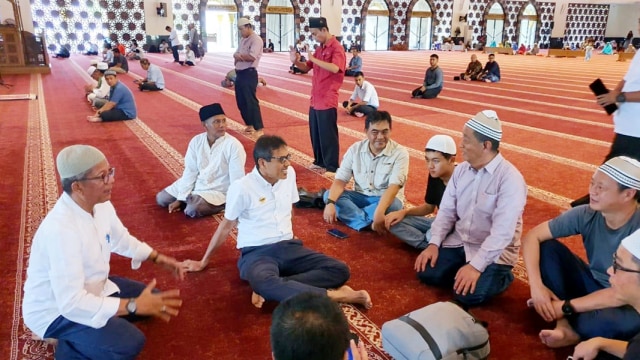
x,y
412,225
565,288
272,260
121,105
154,80
491,71
328,64
69,295
433,81
366,93
175,42
379,168
475,238
193,39
214,160
246,60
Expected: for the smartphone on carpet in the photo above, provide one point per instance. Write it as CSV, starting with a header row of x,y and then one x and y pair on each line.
x,y
598,88
337,233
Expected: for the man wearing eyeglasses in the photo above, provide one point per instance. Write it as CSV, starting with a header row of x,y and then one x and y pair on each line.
x,y
213,161
69,294
272,260
379,168
565,289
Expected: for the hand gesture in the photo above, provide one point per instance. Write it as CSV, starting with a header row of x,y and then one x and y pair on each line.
x,y
329,214
466,280
428,255
193,265
393,218
542,301
293,54
172,265
163,304
587,350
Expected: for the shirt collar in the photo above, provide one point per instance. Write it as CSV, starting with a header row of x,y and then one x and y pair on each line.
x,y
261,180
492,165
74,207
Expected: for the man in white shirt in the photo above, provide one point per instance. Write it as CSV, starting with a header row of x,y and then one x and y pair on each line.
x,y
98,94
154,80
175,43
379,168
273,261
367,95
214,160
69,295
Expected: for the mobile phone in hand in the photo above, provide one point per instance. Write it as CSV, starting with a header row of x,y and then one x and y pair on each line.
x,y
337,233
598,89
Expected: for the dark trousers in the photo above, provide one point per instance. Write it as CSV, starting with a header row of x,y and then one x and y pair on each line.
x,y
114,115
194,47
323,127
176,56
287,268
118,339
248,104
365,109
150,87
427,94
495,279
569,277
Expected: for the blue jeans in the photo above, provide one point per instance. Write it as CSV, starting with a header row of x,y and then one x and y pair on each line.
x,y
287,268
491,78
356,210
495,279
118,339
414,230
569,277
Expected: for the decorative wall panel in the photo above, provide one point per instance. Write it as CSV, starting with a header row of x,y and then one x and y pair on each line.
x,y
585,21
186,12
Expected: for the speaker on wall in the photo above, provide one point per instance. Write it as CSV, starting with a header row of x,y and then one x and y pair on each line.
x,y
551,25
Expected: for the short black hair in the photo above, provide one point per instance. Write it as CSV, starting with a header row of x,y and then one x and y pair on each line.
x,y
167,27
495,144
309,326
445,155
358,73
622,188
376,117
265,145
434,56
490,55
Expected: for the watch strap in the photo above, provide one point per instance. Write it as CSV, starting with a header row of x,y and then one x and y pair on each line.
x,y
330,201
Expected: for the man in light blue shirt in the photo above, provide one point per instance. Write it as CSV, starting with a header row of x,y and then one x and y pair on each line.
x,y
355,64
121,105
154,80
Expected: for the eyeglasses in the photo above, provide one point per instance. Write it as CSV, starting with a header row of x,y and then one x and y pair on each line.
x,y
104,177
617,267
282,159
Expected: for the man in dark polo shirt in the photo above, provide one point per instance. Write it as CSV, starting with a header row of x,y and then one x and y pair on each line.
x,y
412,225
328,62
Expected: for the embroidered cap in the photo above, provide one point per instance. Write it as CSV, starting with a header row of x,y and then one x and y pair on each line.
x,y
243,21
76,159
442,143
209,111
624,170
317,22
102,66
486,122
91,70
110,72
632,243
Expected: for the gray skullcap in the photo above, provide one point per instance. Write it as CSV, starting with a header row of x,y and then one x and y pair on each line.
x,y
632,244
243,21
209,111
486,122
317,22
624,170
76,159
91,70
442,143
110,72
102,66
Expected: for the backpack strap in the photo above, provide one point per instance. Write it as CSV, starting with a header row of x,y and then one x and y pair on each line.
x,y
425,335
465,351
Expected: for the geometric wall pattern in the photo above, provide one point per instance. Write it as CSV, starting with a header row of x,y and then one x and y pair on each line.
x,y
443,18
585,21
310,8
125,19
474,19
185,12
351,10
545,18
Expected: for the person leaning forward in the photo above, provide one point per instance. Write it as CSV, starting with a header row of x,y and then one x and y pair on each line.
x,y
69,294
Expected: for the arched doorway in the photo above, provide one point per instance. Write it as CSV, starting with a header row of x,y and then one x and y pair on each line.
x,y
494,25
420,26
280,24
528,26
377,26
222,31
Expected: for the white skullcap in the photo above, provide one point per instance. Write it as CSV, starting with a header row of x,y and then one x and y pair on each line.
x,y
243,21
102,66
442,143
76,159
91,70
624,170
632,244
486,122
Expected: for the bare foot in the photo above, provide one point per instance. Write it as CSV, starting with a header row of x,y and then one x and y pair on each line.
x,y
94,119
257,300
561,336
262,81
346,294
249,129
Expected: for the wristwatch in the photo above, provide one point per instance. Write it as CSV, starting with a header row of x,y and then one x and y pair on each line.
x,y
329,201
621,97
131,306
567,309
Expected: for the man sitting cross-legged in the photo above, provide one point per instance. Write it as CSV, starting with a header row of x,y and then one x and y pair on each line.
x,y
121,105
214,160
367,95
412,225
154,80
272,260
475,238
566,289
379,167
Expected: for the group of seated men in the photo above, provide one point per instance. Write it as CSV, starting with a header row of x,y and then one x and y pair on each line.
x,y
470,247
475,71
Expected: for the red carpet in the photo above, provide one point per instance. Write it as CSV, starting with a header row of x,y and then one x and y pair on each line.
x,y
553,132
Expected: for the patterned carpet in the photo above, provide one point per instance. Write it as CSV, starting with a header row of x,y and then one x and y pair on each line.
x,y
553,132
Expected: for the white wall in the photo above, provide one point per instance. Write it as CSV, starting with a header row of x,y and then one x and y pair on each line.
x,y
154,23
6,12
623,18
332,11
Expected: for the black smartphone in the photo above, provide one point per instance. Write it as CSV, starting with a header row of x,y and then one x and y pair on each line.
x,y
598,88
337,233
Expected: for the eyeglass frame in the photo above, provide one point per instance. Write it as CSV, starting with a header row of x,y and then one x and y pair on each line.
x,y
105,177
617,266
282,159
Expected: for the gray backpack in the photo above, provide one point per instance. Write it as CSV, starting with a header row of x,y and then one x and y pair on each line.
x,y
440,331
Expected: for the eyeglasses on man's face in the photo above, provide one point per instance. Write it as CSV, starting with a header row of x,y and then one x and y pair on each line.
x,y
104,177
282,159
617,267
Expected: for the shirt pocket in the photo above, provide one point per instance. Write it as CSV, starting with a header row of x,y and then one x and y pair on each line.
x,y
382,175
486,203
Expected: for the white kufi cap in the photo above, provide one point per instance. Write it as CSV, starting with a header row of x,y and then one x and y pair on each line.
x,y
442,143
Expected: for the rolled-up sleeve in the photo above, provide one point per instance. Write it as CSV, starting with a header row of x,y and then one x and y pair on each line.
x,y
400,169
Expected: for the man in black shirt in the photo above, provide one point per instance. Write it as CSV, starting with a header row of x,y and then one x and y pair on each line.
x,y
411,225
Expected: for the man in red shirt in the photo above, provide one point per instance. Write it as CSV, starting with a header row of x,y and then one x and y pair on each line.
x,y
328,62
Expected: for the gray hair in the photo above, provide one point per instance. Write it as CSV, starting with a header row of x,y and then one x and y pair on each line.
x,y
68,182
